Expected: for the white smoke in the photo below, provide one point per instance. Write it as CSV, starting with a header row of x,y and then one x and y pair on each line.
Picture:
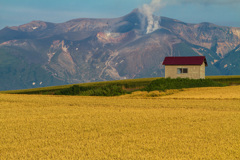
x,y
153,21
148,10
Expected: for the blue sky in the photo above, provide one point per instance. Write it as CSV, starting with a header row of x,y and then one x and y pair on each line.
x,y
17,12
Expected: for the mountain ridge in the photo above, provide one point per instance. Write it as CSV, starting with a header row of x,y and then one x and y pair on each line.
x,y
88,50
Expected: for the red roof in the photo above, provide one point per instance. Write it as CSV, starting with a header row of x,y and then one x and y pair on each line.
x,y
196,60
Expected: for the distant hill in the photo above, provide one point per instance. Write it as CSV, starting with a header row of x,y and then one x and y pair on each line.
x,y
40,54
120,87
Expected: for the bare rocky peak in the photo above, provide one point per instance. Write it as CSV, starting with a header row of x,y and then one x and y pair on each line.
x,y
32,26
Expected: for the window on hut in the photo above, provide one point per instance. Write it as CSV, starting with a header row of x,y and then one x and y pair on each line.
x,y
182,70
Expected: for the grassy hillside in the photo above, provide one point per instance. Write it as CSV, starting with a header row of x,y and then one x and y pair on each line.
x,y
226,80
130,84
126,85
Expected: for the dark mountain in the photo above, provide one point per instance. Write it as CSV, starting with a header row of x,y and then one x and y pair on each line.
x,y
230,65
41,54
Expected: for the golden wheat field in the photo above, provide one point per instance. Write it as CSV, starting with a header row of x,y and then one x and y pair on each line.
x,y
201,123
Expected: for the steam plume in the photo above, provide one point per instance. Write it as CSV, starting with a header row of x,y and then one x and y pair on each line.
x,y
148,10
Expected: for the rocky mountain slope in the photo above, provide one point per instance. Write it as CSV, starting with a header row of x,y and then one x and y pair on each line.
x,y
86,50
